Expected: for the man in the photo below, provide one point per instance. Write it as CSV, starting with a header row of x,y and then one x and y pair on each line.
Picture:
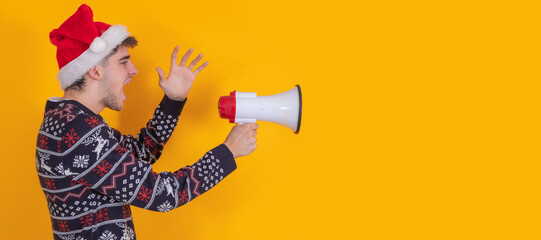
x,y
89,172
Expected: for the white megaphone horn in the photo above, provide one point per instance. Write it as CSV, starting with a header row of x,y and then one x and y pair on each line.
x,y
246,107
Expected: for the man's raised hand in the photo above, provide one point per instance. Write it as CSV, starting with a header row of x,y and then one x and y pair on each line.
x,y
178,83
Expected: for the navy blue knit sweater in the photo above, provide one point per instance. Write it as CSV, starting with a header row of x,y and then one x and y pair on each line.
x,y
91,174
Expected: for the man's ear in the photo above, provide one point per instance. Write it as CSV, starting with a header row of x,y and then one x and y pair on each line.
x,y
96,72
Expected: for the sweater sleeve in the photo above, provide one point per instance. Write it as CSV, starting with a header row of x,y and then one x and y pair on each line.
x,y
149,143
99,161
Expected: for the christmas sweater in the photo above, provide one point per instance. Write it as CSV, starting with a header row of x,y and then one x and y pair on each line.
x,y
91,174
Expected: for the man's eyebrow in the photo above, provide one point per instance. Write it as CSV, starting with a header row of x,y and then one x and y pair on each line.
x,y
124,58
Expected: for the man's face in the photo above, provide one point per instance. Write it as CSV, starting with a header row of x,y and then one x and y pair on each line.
x,y
117,74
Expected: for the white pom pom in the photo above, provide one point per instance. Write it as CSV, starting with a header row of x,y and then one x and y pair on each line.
x,y
98,45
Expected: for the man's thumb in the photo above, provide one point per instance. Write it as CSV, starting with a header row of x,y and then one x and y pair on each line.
x,y
161,73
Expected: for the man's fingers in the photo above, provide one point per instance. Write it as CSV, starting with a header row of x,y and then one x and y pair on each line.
x,y
195,61
200,68
174,56
252,126
254,146
184,59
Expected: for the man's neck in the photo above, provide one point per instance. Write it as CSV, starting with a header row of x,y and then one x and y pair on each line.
x,y
85,98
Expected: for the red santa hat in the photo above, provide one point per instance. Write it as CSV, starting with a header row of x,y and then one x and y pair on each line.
x,y
82,43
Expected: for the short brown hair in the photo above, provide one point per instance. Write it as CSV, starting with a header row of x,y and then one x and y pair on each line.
x,y
130,42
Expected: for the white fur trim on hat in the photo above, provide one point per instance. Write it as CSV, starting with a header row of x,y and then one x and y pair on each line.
x,y
98,50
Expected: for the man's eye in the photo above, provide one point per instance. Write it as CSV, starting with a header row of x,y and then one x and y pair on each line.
x,y
123,63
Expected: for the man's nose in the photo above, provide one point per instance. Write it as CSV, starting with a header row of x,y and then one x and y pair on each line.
x,y
133,70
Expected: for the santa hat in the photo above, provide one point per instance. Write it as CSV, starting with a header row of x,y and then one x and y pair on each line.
x,y
82,43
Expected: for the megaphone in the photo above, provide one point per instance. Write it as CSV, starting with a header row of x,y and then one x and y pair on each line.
x,y
246,107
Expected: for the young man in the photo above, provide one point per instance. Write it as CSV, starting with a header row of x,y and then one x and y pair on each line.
x,y
89,172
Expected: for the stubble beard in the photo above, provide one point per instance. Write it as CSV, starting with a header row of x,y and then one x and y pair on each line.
x,y
111,100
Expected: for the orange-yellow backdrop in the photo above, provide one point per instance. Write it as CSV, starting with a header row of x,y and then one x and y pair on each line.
x,y
420,117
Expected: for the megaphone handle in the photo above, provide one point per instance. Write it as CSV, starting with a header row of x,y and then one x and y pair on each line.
x,y
245,120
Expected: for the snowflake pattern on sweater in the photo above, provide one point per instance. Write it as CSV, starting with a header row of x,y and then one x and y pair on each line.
x,y
91,174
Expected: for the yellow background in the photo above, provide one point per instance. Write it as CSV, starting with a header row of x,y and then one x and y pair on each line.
x,y
420,119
